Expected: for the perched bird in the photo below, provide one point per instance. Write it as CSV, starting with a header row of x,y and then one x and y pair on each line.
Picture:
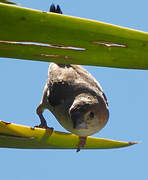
x,y
75,98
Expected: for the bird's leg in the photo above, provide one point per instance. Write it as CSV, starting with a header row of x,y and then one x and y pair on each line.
x,y
82,142
39,112
43,124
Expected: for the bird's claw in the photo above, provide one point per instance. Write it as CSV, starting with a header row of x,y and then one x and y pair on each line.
x,y
44,126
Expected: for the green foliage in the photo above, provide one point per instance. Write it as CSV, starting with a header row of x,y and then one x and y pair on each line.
x,y
17,136
41,36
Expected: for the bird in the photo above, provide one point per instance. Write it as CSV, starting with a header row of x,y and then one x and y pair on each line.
x,y
75,98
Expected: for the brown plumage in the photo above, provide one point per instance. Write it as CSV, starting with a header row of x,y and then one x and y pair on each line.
x,y
75,98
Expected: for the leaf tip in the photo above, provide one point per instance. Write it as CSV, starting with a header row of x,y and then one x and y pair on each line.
x,y
133,143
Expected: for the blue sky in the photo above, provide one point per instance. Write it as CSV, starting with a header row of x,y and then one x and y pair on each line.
x,y
22,84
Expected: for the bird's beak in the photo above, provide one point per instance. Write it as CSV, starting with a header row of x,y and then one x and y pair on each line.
x,y
81,125
78,121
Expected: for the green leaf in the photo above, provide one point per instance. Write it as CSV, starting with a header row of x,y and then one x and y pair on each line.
x,y
41,36
17,136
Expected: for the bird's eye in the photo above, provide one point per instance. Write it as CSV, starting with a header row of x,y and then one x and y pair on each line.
x,y
91,115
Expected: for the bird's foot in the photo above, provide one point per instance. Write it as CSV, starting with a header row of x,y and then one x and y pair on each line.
x,y
82,142
44,126
55,9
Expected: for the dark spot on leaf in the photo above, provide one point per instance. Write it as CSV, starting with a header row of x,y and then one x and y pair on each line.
x,y
6,123
144,44
15,136
23,18
5,48
55,56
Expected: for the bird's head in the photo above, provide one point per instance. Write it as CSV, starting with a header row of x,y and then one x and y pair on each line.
x,y
88,115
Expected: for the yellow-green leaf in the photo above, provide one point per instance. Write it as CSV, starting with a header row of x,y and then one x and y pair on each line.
x,y
41,36
18,136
